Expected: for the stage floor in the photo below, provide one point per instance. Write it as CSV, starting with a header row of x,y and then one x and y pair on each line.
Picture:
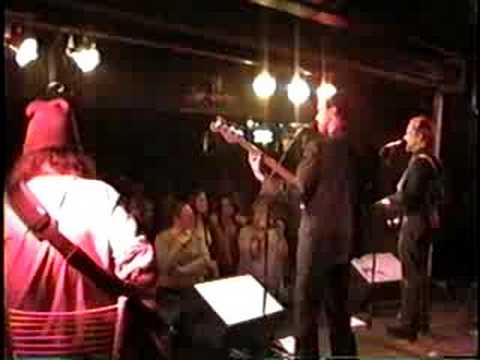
x,y
453,334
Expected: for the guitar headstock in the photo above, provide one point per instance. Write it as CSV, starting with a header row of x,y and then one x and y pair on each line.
x,y
229,132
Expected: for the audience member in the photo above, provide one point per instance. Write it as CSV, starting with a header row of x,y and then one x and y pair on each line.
x,y
263,249
200,206
225,224
182,258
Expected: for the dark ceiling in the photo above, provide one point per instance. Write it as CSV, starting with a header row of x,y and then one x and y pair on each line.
x,y
421,39
424,44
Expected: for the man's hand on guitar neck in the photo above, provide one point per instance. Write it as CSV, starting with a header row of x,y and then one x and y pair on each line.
x,y
233,135
255,159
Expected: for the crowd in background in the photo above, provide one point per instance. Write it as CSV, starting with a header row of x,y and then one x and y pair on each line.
x,y
199,237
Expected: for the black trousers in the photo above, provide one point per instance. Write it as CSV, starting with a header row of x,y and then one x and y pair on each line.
x,y
413,249
323,287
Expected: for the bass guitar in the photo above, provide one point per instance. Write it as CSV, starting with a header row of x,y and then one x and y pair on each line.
x,y
233,135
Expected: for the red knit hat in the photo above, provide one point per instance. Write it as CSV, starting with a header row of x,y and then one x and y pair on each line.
x,y
50,125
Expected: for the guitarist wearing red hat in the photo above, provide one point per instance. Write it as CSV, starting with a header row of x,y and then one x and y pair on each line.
x,y
86,211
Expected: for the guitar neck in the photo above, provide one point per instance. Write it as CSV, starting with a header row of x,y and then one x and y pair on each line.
x,y
273,164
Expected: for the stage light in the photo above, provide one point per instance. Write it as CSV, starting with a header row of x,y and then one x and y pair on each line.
x,y
26,52
326,90
356,323
22,43
395,222
86,56
263,136
298,90
264,85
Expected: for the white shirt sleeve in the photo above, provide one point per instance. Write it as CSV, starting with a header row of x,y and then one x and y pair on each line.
x,y
131,252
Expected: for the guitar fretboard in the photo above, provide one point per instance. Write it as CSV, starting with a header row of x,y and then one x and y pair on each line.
x,y
273,164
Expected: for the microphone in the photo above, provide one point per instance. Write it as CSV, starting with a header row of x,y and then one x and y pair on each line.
x,y
392,145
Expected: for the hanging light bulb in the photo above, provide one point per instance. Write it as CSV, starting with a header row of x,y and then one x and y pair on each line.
x,y
87,57
326,90
298,90
264,85
26,52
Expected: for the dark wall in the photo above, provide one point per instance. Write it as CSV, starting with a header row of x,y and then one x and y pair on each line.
x,y
456,246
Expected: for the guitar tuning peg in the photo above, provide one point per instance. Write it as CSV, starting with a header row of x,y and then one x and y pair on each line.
x,y
220,119
239,132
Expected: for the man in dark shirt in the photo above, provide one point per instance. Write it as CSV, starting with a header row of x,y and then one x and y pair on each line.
x,y
418,193
324,183
325,238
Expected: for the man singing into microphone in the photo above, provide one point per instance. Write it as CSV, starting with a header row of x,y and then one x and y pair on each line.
x,y
418,194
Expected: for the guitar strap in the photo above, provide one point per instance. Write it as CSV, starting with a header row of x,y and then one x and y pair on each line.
x,y
36,218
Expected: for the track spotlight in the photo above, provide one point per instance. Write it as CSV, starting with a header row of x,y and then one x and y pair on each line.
x,y
298,90
26,52
264,85
86,56
25,46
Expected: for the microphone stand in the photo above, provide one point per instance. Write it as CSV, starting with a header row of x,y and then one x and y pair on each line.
x,y
386,152
206,232
267,337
